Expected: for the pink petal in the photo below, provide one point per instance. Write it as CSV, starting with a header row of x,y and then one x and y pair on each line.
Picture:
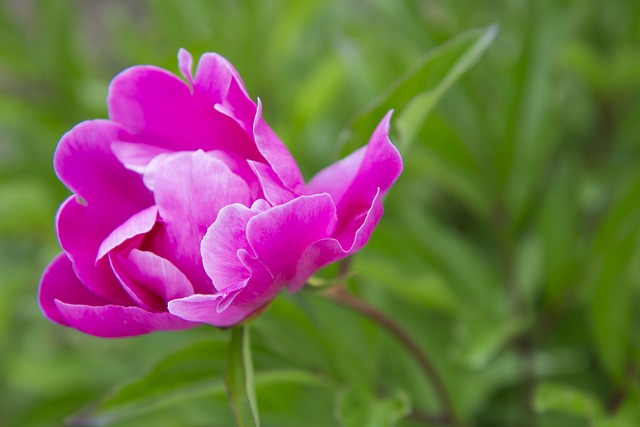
x,y
59,282
64,300
214,78
231,305
81,230
84,162
136,225
190,189
280,235
185,64
151,279
114,321
272,188
326,251
158,108
224,238
136,156
354,181
276,154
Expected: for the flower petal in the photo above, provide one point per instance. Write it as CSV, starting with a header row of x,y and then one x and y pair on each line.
x,y
158,108
84,162
272,188
224,238
81,230
190,188
234,304
354,180
115,321
326,251
152,279
136,225
59,282
281,234
276,154
214,78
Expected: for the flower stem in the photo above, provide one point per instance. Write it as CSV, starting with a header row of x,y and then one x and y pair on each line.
x,y
339,295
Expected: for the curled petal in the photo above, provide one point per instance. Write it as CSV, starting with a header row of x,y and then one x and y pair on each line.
x,y
231,305
270,184
136,225
281,234
354,180
276,154
326,251
150,280
224,238
216,79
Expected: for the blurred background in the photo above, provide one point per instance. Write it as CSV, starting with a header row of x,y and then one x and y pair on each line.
x,y
509,248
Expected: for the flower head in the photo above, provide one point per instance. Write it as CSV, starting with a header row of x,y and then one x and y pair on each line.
x,y
188,209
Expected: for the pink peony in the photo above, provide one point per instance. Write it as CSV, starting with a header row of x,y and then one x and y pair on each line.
x,y
188,209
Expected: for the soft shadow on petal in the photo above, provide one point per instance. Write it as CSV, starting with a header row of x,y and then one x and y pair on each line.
x,y
280,235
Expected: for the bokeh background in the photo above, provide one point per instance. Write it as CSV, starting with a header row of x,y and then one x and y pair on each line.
x,y
509,248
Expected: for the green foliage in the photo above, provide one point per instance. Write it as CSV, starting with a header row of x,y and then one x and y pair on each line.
x,y
508,251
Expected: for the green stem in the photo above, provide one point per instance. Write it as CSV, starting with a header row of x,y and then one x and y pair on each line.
x,y
339,295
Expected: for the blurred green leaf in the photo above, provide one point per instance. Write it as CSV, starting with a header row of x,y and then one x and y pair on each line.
x,y
239,378
25,206
416,93
554,397
614,268
559,229
191,371
483,335
357,410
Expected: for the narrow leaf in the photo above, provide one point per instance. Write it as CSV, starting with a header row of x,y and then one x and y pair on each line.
x,y
415,94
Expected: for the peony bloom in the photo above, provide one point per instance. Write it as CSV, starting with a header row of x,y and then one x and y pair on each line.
x,y
188,209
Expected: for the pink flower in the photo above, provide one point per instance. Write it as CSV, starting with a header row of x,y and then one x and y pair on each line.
x,y
188,209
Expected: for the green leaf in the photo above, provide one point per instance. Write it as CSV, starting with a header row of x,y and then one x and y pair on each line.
x,y
559,227
191,371
357,410
415,94
483,335
554,397
239,379
614,269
